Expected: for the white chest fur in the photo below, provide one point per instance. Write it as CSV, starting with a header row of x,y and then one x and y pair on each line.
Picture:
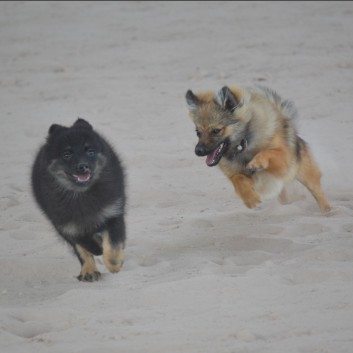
x,y
266,185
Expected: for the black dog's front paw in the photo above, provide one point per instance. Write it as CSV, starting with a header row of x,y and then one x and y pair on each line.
x,y
89,277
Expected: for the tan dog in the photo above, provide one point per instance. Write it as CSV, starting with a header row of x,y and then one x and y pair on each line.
x,y
251,135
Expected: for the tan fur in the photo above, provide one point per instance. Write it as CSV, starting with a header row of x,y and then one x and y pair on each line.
x,y
89,270
309,175
277,154
244,187
113,256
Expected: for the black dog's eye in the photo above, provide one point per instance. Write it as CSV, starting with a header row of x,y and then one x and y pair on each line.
x,y
215,131
90,152
67,155
198,133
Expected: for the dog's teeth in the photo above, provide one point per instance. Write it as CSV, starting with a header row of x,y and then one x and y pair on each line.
x,y
240,147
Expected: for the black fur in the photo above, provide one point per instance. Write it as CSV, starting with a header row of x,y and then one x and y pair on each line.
x,y
300,145
244,156
78,182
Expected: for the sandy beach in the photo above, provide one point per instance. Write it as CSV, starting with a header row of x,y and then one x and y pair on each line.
x,y
203,274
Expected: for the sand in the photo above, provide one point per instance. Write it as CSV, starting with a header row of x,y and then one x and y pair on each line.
x,y
203,274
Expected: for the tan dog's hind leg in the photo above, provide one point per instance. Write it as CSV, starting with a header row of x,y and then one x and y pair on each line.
x,y
89,272
283,197
113,255
244,187
309,175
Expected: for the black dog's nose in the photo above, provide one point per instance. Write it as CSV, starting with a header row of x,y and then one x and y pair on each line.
x,y
82,168
200,151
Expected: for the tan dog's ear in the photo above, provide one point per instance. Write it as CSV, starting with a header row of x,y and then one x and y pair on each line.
x,y
192,101
227,100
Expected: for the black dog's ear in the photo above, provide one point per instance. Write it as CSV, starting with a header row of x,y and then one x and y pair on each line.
x,y
82,123
192,101
226,99
55,128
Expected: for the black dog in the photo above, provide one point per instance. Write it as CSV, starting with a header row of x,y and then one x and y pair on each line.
x,y
78,182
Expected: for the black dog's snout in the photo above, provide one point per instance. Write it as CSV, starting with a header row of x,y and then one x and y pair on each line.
x,y
200,151
83,168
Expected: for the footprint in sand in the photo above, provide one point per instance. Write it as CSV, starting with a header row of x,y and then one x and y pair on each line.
x,y
348,227
25,327
7,202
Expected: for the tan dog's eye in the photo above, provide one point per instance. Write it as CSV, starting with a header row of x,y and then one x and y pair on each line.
x,y
215,132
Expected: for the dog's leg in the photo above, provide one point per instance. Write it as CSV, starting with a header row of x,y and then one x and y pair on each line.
x,y
89,272
274,161
309,175
113,244
283,196
244,187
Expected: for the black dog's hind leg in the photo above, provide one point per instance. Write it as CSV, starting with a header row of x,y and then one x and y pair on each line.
x,y
114,243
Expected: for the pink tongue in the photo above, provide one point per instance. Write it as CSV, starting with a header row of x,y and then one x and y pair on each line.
x,y
84,177
211,157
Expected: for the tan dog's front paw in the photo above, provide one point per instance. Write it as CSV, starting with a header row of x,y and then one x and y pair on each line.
x,y
257,164
252,200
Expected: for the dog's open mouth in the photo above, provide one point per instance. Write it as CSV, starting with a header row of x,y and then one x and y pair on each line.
x,y
82,178
215,156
